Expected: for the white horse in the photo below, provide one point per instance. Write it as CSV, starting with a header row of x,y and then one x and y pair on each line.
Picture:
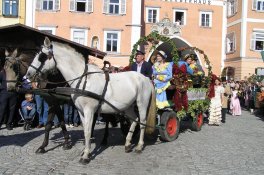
x,y
123,90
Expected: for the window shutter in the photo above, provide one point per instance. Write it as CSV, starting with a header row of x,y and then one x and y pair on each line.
x,y
236,5
106,6
15,9
72,5
226,45
211,20
38,4
254,5
123,7
228,10
253,42
89,6
57,5
234,41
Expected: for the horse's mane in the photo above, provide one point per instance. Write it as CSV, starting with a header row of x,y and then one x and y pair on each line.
x,y
27,57
76,53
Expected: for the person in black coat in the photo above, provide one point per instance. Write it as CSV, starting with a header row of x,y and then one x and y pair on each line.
x,y
8,101
141,66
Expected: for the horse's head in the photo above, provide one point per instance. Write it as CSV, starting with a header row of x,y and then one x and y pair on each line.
x,y
43,62
12,69
16,67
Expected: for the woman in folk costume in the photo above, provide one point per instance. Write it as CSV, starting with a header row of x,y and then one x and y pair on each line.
x,y
180,77
235,103
216,94
162,73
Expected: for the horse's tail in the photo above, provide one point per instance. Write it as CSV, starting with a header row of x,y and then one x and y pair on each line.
x,y
151,117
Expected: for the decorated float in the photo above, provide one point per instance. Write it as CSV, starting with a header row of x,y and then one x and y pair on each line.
x,y
188,103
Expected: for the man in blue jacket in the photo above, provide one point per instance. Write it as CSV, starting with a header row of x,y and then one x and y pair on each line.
x,y
141,66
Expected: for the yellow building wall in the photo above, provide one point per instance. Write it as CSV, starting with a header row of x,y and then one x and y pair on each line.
x,y
10,20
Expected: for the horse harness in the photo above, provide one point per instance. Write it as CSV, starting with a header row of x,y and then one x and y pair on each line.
x,y
43,57
83,92
16,68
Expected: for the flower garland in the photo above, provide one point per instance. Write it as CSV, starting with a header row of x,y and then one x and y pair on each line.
x,y
154,38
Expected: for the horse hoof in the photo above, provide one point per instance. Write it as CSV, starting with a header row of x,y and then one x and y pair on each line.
x,y
84,161
128,149
67,146
40,151
138,151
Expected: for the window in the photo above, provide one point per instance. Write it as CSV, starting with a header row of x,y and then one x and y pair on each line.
x,y
114,7
112,41
95,42
180,17
10,8
257,41
231,7
258,5
79,36
152,15
206,19
81,5
51,30
230,43
48,5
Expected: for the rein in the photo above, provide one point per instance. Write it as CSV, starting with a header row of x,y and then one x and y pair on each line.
x,y
83,92
19,63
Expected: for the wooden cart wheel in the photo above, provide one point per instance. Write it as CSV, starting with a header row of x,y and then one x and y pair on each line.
x,y
170,126
197,122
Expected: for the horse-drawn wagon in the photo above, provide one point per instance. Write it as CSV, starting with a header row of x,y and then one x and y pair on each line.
x,y
91,91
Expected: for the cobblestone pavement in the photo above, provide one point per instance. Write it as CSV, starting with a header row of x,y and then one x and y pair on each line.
x,y
236,147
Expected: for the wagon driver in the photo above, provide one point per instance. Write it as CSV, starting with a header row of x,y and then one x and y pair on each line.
x,y
141,66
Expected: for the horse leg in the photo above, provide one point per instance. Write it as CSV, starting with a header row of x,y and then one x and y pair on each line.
x,y
106,133
93,125
66,145
48,126
87,127
128,147
140,145
142,104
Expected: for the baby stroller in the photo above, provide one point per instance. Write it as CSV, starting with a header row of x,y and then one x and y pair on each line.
x,y
26,122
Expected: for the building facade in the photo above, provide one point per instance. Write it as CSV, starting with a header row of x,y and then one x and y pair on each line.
x,y
200,24
12,12
114,26
245,38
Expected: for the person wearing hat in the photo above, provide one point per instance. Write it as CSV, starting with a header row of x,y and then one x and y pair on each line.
x,y
187,60
141,66
162,73
198,72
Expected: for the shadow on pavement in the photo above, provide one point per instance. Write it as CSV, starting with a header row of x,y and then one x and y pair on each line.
x,y
20,139
260,114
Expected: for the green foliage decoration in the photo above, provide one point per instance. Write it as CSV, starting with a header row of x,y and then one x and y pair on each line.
x,y
196,106
154,39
